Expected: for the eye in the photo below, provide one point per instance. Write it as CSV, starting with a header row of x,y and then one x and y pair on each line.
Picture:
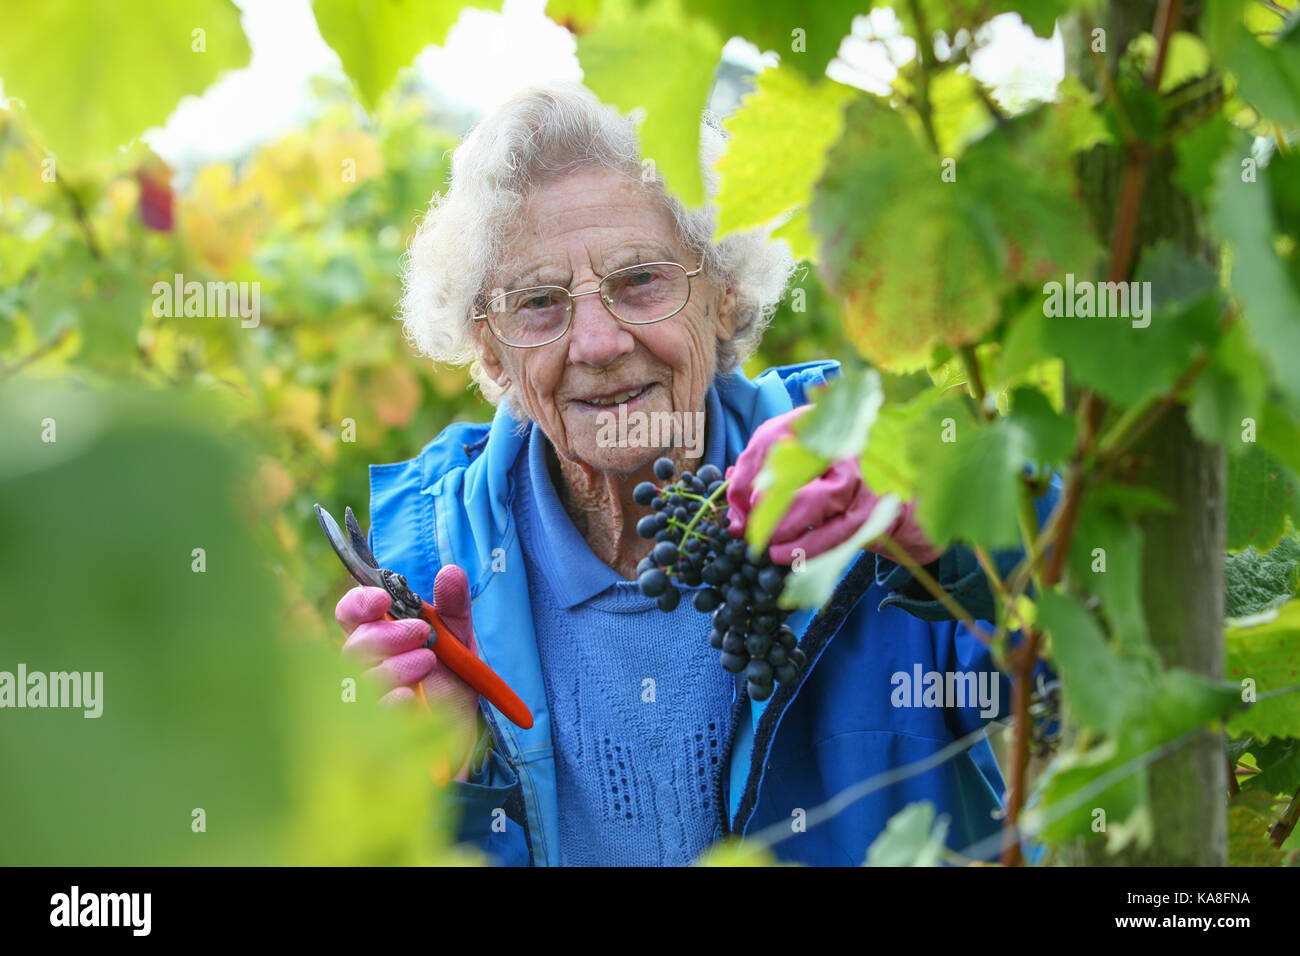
x,y
540,300
639,277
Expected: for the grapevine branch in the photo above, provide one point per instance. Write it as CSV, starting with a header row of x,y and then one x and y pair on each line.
x,y
1123,247
1279,831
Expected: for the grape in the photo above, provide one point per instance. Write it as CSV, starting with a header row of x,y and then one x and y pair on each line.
x,y
759,671
733,662
738,589
770,580
645,493
653,582
707,600
665,553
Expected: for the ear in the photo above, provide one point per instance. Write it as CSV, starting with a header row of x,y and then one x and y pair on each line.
x,y
489,358
727,313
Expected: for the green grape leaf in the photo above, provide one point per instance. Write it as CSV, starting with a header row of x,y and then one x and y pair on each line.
x,y
376,40
1268,77
1022,176
1279,435
1257,582
1150,332
839,424
805,35
952,15
1243,217
777,147
1066,799
577,15
1199,152
1131,500
887,463
787,468
1039,15
1230,391
959,115
94,76
923,249
1043,434
1153,708
1279,764
913,268
813,584
912,837
1261,493
660,61
981,463
1250,814
1218,25
1237,746
1098,686
1106,560
1266,651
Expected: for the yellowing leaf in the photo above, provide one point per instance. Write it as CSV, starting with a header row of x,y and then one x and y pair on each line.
x,y
219,218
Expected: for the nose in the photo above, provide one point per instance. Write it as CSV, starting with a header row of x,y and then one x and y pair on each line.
x,y
597,338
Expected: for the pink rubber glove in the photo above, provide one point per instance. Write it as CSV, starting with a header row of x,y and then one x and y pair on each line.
x,y
825,512
397,650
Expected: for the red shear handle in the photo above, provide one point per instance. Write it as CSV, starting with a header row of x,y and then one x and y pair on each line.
x,y
474,672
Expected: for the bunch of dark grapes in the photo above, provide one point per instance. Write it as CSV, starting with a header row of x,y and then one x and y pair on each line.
x,y
694,549
1045,711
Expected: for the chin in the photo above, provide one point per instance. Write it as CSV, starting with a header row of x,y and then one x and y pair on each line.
x,y
616,460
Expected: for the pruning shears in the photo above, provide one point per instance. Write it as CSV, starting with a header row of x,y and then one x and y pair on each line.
x,y
356,556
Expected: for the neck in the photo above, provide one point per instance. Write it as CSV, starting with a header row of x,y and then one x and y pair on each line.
x,y
601,507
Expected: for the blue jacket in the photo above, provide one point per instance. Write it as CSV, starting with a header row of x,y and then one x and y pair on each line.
x,y
787,755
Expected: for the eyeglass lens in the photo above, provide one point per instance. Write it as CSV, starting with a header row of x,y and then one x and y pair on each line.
x,y
637,295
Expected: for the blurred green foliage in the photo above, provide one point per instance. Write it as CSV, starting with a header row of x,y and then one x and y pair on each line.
x,y
129,553
933,217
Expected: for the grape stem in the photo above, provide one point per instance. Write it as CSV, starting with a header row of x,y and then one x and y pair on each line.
x,y
708,505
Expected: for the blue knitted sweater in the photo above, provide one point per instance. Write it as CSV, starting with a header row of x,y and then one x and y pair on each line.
x,y
640,706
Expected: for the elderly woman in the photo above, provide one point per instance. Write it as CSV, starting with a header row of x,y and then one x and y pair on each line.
x,y
578,288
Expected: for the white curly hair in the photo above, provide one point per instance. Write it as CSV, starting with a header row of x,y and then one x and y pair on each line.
x,y
537,136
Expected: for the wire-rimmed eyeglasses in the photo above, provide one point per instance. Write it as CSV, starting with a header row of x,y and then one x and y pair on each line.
x,y
636,295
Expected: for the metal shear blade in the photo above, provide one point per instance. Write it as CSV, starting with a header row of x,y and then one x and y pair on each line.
x,y
357,559
357,539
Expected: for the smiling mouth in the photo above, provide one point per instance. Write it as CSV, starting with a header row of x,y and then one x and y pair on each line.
x,y
617,398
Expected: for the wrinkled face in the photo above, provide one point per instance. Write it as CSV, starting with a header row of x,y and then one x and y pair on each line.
x,y
575,230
